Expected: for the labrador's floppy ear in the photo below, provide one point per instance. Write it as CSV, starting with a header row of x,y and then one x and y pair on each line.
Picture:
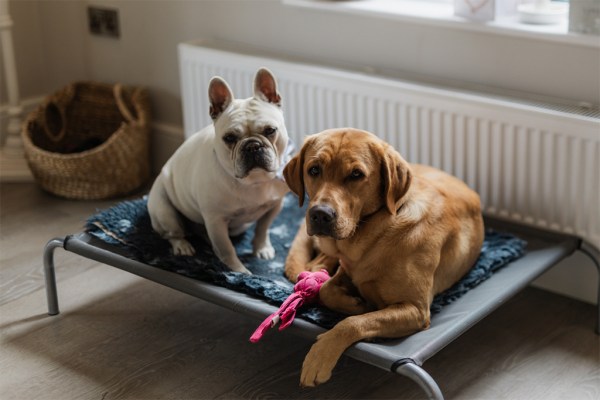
x,y
396,177
265,87
219,95
294,172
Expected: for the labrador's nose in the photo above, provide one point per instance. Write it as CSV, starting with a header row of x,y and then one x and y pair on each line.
x,y
322,220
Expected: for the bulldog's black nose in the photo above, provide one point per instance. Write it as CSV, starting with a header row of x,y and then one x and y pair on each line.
x,y
322,219
253,146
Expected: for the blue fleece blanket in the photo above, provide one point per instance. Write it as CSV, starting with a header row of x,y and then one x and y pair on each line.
x,y
127,225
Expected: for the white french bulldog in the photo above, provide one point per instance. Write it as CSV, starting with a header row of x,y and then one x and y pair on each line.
x,y
224,177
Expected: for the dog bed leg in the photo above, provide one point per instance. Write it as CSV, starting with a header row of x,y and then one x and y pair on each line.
x,y
594,253
51,293
407,367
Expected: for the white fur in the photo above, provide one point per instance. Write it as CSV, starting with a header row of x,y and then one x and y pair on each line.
x,y
203,181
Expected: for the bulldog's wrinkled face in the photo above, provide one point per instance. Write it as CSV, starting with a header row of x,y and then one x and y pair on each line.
x,y
250,134
347,174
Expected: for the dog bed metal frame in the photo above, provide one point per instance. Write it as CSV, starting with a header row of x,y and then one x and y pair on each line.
x,y
404,356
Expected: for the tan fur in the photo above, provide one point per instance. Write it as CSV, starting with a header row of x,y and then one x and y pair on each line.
x,y
403,233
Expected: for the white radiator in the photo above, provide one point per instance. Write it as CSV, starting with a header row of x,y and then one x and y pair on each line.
x,y
529,162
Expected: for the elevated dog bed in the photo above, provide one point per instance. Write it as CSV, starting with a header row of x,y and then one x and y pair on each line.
x,y
123,238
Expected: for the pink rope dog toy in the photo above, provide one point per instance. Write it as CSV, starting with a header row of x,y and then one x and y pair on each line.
x,y
306,291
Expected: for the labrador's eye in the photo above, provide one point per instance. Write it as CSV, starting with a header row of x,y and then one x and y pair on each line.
x,y
269,131
356,175
230,138
314,171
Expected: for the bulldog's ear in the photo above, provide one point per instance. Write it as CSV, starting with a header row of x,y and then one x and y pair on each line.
x,y
265,87
294,172
219,95
396,177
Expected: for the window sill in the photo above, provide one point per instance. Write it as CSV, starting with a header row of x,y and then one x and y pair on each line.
x,y
441,14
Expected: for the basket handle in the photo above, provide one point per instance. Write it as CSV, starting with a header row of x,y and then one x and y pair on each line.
x,y
123,108
54,119
53,112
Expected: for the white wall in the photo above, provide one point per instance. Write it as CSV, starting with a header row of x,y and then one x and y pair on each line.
x,y
54,47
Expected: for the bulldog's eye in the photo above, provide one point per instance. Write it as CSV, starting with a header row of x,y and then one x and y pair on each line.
x,y
230,138
269,131
314,171
356,175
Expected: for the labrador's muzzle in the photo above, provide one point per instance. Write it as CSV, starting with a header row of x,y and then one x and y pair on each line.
x,y
322,220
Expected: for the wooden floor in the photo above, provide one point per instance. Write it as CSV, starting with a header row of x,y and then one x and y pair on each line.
x,y
119,336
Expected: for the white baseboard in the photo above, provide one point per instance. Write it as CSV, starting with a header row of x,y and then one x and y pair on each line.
x,y
28,105
165,139
13,167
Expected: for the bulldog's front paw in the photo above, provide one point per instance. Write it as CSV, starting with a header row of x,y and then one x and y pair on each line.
x,y
236,265
267,252
263,249
182,247
242,270
319,363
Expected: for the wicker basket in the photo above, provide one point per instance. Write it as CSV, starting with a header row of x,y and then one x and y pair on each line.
x,y
90,141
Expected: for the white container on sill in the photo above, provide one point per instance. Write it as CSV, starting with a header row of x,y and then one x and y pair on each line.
x,y
543,12
485,10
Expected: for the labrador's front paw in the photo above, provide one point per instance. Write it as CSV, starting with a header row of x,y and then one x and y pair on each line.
x,y
319,363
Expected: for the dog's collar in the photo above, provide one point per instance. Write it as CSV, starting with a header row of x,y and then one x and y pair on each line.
x,y
366,217
400,207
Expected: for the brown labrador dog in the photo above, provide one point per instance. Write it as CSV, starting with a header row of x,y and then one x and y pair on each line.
x,y
400,234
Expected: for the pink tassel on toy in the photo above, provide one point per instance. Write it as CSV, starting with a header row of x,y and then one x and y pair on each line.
x,y
306,291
